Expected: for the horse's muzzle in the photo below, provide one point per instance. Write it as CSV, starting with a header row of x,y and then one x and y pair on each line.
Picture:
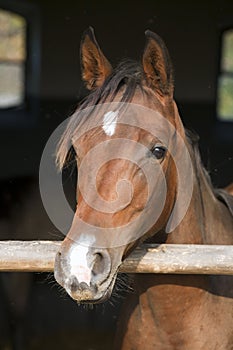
x,y
85,273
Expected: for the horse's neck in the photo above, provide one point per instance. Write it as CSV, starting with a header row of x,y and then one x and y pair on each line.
x,y
207,221
167,302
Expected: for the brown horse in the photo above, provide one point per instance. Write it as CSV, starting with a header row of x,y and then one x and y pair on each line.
x,y
130,126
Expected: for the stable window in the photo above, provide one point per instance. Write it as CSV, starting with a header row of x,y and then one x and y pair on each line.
x,y
225,79
19,63
12,59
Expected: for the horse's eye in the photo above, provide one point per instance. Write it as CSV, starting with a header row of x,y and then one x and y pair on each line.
x,y
158,152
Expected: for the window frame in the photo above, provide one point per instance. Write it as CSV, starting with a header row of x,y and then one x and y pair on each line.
x,y
221,72
25,115
223,129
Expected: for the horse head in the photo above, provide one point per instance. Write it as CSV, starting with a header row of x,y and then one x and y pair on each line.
x,y
127,136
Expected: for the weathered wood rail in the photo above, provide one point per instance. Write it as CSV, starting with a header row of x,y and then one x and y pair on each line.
x,y
38,256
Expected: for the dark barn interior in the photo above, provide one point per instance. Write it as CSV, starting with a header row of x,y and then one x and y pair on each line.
x,y
193,32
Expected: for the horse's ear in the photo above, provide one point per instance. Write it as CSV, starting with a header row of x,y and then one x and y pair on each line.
x,y
157,65
95,66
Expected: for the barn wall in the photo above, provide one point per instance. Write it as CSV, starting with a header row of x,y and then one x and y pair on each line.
x,y
190,30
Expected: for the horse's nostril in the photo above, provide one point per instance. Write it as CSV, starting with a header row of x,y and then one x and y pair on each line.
x,y
98,266
74,285
101,265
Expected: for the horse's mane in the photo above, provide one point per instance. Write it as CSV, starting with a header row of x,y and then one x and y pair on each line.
x,y
193,140
220,194
127,74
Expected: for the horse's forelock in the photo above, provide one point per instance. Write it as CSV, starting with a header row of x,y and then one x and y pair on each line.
x,y
64,149
127,76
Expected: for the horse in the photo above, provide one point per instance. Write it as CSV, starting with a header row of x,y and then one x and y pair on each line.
x,y
141,179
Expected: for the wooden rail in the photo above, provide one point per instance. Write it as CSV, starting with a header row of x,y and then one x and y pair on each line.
x,y
38,256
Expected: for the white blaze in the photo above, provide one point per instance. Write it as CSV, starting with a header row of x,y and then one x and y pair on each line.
x,y
79,266
110,122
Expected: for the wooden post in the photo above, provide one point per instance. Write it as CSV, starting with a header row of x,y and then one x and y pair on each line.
x,y
39,256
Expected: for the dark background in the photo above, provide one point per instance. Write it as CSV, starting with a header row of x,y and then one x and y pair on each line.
x,y
192,31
